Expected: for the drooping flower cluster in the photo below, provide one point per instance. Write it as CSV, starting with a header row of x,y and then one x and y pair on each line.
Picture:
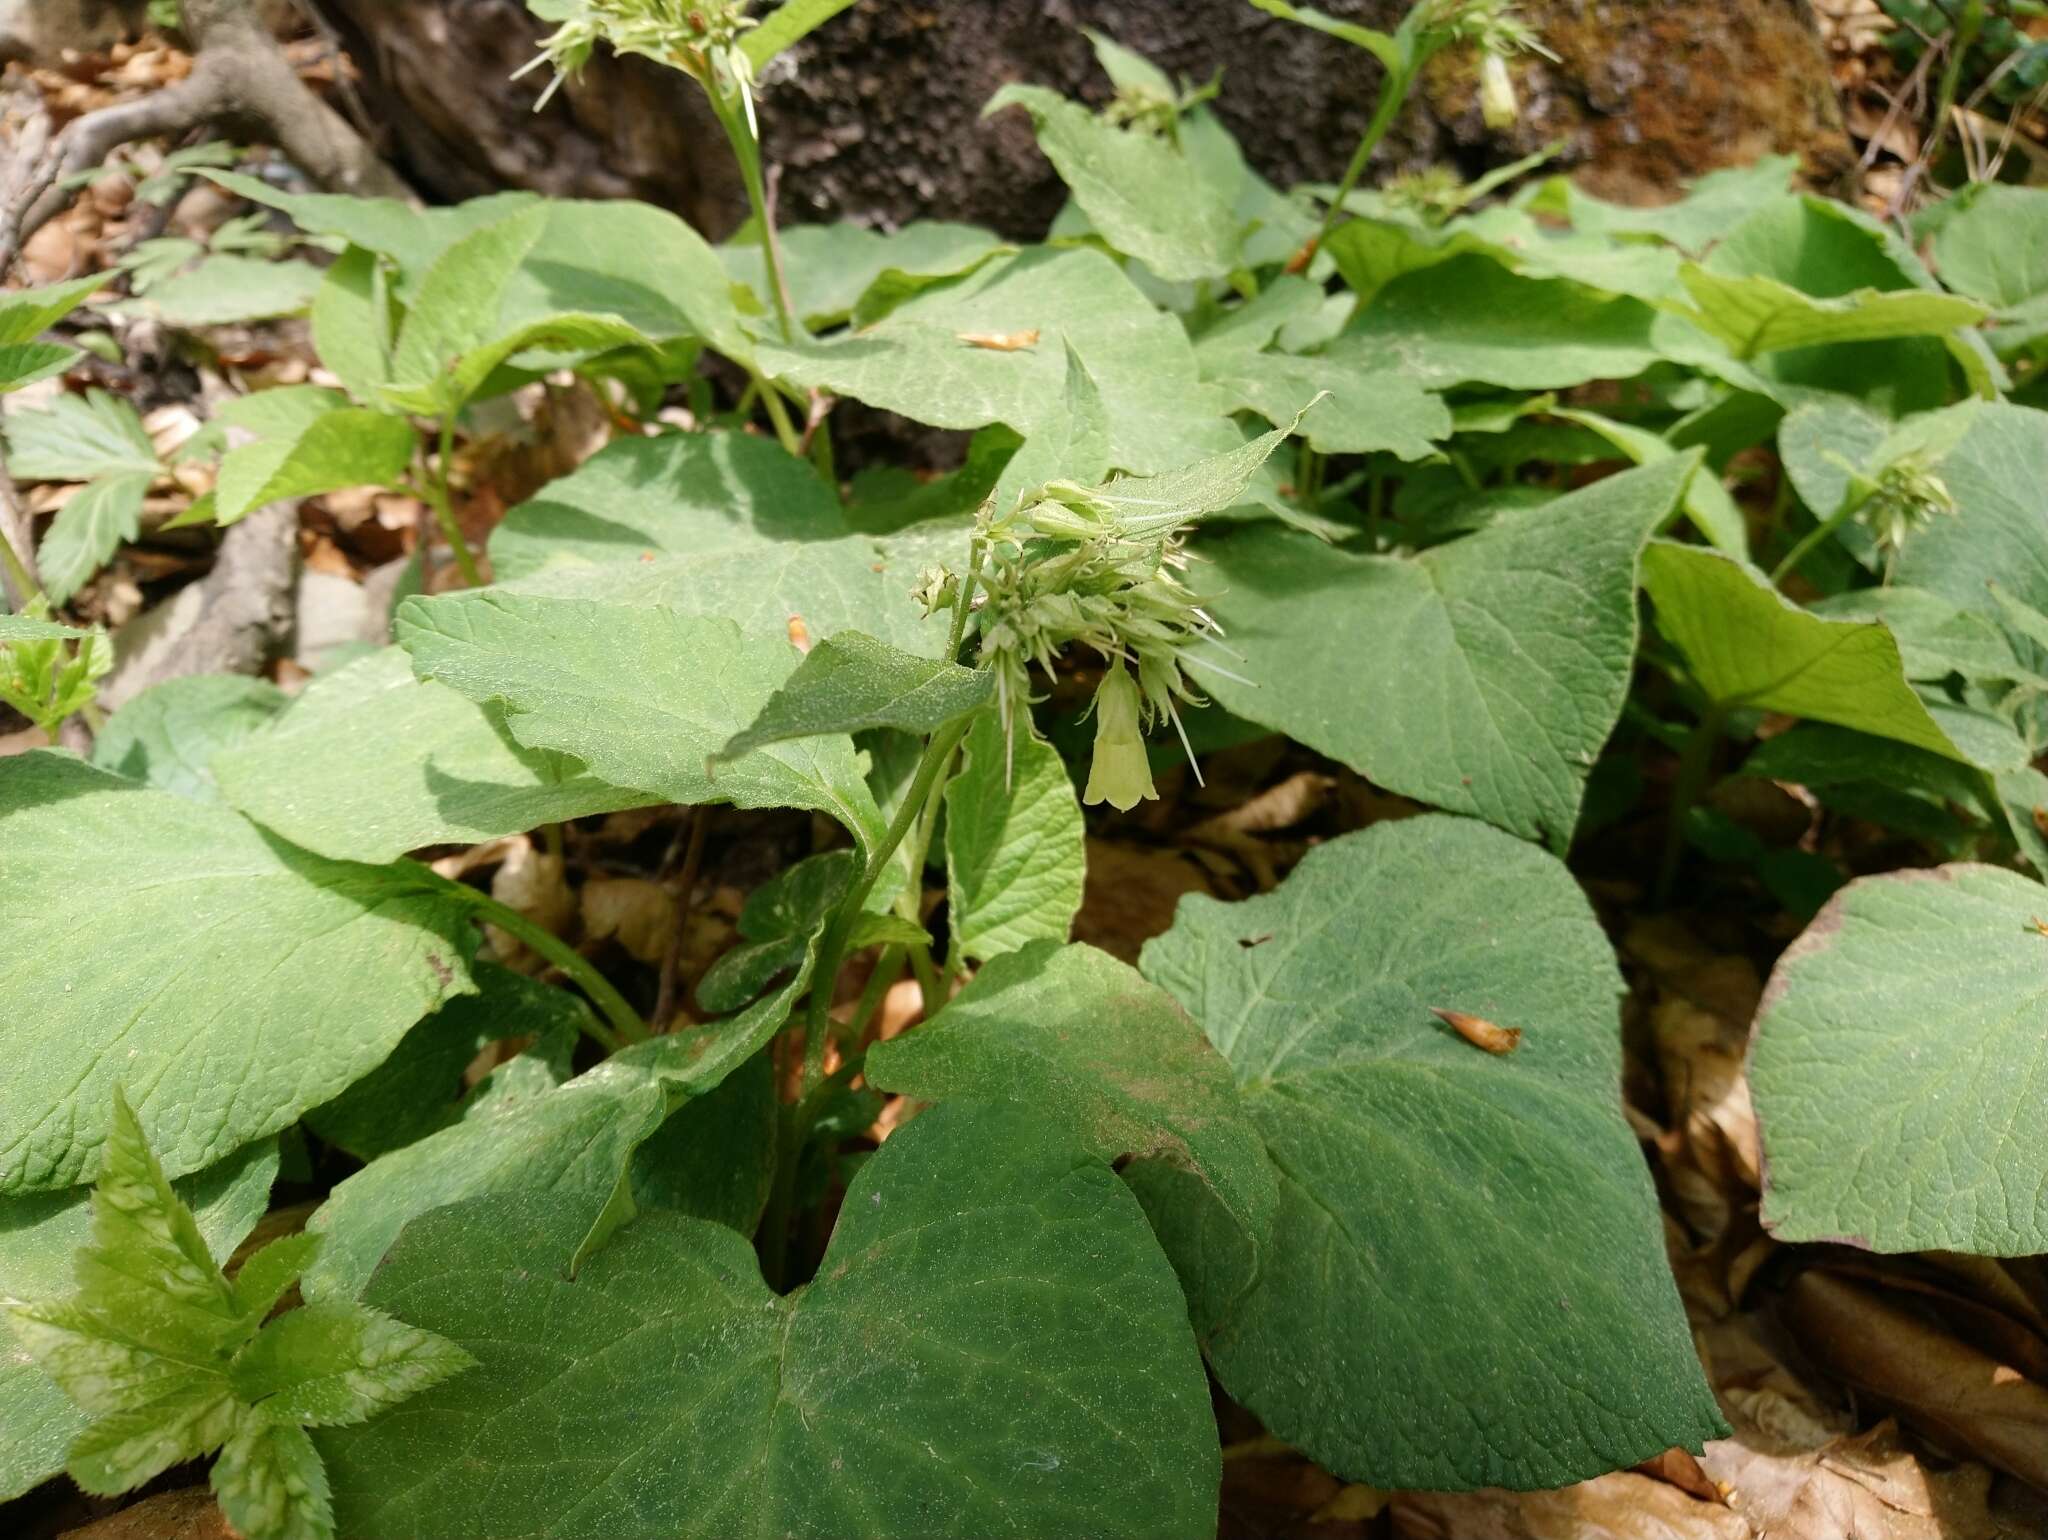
x,y
1143,109
1148,110
1493,27
699,37
1904,498
1072,566
1432,195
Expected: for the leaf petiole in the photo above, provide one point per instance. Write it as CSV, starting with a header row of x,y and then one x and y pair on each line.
x,y
778,414
1814,538
18,573
626,1025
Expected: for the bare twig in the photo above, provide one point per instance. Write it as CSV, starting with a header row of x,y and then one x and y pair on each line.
x,y
1895,105
44,190
820,408
2010,136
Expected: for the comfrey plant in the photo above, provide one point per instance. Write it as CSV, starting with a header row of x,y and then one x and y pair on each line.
x,y
717,1251
1492,27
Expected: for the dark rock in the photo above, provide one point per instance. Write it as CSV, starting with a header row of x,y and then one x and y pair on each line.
x,y
877,115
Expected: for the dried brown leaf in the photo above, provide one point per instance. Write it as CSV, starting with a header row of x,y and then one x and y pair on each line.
x,y
1798,1468
189,1513
640,914
1298,798
531,881
1964,1399
1130,895
1681,1468
1868,1484
1621,1506
1698,1005
21,742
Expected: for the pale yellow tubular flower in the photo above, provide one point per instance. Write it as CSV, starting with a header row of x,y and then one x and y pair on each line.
x,y
1120,773
1497,104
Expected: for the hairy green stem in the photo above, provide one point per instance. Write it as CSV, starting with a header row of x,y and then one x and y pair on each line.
x,y
1392,95
20,564
822,457
746,149
1695,762
626,1025
888,969
1813,539
797,1122
977,553
778,415
831,950
932,981
436,489
789,1146
918,799
18,573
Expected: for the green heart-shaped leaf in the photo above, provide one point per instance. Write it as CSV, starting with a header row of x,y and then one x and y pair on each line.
x,y
1466,1240
993,1346
1901,1067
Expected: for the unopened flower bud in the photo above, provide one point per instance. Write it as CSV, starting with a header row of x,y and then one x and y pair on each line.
x,y
936,590
1059,522
1066,511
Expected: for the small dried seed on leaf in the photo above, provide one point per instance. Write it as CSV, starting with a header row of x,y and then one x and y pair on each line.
x,y
1001,342
1478,1031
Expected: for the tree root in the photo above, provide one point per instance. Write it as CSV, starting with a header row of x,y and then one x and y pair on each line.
x,y
239,76
232,621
